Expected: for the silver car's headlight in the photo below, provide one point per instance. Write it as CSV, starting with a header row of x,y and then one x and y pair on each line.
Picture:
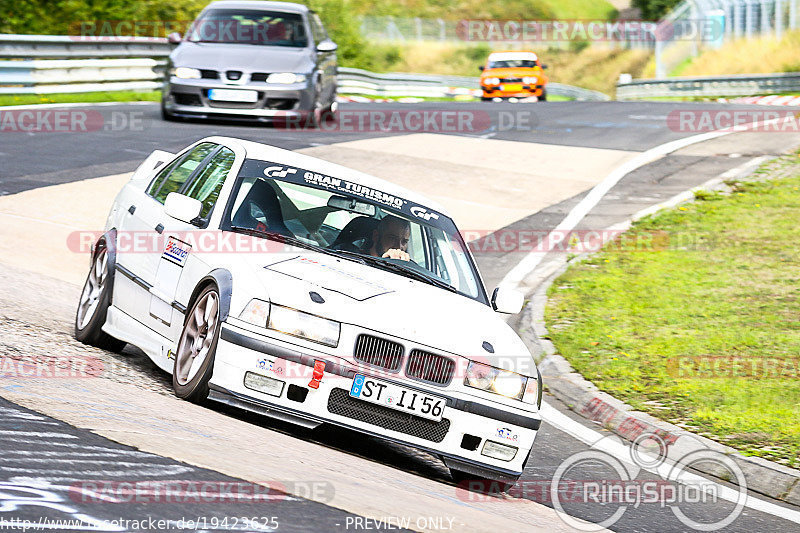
x,y
491,379
304,325
285,78
185,73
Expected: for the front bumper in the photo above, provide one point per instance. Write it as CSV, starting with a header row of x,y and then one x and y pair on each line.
x,y
459,438
190,98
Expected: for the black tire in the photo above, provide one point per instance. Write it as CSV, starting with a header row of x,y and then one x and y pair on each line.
x,y
167,116
543,98
481,484
94,303
330,115
192,383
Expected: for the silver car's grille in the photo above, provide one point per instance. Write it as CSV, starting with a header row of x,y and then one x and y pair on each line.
x,y
259,76
379,352
430,367
209,74
341,403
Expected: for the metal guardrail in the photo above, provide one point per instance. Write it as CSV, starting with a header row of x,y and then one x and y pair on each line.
x,y
710,86
74,47
363,82
67,64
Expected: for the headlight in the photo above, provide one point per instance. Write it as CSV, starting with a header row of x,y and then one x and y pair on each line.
x,y
285,78
495,380
529,80
304,325
256,312
185,73
491,81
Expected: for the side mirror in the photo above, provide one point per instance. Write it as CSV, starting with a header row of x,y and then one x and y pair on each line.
x,y
174,38
544,66
327,46
508,301
481,67
182,207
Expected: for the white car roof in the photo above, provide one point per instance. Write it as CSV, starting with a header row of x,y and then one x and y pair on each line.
x,y
511,56
259,5
266,152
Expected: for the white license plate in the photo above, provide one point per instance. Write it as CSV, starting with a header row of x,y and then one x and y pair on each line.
x,y
232,95
396,397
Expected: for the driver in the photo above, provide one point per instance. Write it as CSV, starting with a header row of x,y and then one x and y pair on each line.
x,y
390,238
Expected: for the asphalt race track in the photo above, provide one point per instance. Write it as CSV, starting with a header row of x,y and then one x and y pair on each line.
x,y
65,448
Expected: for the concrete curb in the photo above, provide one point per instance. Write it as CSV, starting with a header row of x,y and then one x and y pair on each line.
x,y
582,396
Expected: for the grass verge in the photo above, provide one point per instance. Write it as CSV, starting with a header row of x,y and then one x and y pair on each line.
x,y
701,327
69,98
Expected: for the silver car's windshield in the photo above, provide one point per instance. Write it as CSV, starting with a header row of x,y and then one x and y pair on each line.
x,y
243,26
338,216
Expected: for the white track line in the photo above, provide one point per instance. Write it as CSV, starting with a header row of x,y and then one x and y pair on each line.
x,y
621,451
529,263
532,260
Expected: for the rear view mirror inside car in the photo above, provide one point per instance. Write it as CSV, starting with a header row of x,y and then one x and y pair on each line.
x,y
351,204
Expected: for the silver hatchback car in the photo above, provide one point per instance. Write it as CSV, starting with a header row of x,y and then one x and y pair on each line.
x,y
252,60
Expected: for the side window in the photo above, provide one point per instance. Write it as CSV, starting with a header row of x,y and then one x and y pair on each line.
x,y
207,185
172,178
317,29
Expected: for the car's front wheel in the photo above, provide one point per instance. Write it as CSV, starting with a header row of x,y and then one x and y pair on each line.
x,y
194,358
94,303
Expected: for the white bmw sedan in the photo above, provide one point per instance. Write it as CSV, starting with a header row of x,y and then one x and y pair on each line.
x,y
309,292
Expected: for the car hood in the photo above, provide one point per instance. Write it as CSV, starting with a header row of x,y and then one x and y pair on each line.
x,y
371,298
244,57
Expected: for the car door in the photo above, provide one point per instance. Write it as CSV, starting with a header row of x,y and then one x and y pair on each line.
x,y
165,314
326,61
144,231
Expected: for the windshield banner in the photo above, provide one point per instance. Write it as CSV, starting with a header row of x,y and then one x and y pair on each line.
x,y
253,168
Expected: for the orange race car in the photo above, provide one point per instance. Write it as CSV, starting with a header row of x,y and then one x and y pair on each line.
x,y
513,75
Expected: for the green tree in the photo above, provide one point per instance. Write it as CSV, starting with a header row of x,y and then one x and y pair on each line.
x,y
654,9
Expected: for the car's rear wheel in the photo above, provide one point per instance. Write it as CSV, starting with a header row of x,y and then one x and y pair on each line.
x,y
194,358
93,305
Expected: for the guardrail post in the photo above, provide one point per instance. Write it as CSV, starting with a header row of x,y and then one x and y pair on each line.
x,y
442,30
660,70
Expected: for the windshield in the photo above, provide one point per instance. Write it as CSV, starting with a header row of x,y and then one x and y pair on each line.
x,y
513,63
242,26
359,223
